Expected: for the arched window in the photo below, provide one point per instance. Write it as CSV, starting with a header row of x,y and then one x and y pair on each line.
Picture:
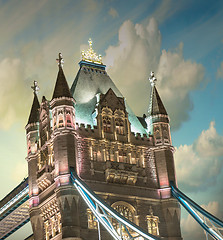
x,y
68,120
122,156
61,124
152,223
46,225
106,124
29,146
92,222
127,211
119,126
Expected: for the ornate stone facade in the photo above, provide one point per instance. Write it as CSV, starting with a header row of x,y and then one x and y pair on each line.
x,y
126,160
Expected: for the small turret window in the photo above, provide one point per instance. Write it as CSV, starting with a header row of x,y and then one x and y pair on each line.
x,y
68,120
61,120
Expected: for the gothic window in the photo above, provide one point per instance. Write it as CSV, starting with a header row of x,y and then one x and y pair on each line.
x,y
106,124
68,120
92,222
59,222
29,146
54,121
152,223
107,155
127,211
122,156
60,120
53,226
119,126
46,223
157,135
166,136
135,157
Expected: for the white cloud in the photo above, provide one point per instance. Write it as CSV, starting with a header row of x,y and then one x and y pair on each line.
x,y
220,71
177,77
13,92
113,12
136,54
191,230
199,165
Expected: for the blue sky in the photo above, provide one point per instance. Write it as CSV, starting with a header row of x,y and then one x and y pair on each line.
x,y
182,41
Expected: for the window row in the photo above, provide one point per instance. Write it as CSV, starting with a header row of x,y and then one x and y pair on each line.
x,y
107,125
127,211
121,155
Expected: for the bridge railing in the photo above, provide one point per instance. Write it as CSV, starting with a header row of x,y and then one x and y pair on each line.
x,y
199,214
104,213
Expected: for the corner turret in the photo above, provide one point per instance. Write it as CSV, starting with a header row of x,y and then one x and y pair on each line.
x,y
33,145
32,126
157,118
64,149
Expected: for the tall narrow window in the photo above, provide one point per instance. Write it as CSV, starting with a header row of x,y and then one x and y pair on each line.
x,y
119,126
127,211
106,124
152,223
122,156
92,222
61,124
68,120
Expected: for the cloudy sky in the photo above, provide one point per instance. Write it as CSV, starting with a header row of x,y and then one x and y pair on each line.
x,y
181,41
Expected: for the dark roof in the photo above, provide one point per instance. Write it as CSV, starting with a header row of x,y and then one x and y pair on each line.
x,y
156,105
110,99
61,88
89,81
142,121
34,113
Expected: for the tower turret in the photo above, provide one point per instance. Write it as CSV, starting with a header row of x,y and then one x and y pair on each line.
x,y
64,144
32,137
157,119
158,126
33,145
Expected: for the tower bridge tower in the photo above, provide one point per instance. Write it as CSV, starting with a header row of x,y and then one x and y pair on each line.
x,y
127,160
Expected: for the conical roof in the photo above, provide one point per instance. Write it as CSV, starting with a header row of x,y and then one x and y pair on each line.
x,y
61,88
34,113
156,104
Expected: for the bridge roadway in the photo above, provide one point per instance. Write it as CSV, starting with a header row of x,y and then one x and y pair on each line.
x,y
14,210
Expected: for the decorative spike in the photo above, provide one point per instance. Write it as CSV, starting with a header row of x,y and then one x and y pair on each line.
x,y
152,79
60,60
35,87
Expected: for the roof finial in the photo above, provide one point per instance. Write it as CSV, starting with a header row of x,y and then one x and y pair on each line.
x,y
60,60
90,42
90,55
35,87
150,211
152,79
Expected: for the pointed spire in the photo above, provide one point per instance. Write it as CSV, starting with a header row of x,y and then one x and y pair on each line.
x,y
156,105
61,88
34,113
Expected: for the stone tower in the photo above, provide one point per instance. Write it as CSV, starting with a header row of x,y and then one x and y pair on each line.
x,y
126,160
